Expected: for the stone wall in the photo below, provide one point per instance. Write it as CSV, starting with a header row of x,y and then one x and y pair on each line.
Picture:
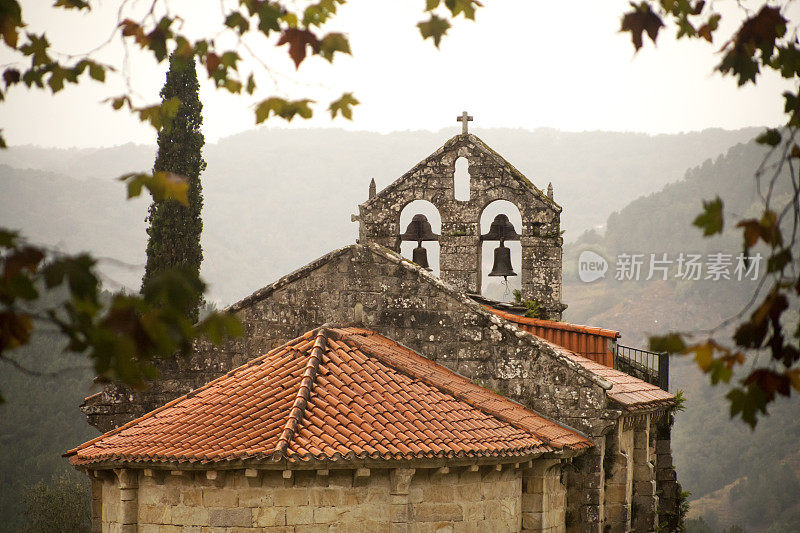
x,y
374,287
491,178
466,499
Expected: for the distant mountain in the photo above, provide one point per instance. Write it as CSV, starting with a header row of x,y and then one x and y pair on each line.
x,y
276,199
740,477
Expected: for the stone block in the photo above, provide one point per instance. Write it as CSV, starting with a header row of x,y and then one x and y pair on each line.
x,y
223,497
192,497
241,517
291,497
155,514
435,512
325,515
269,516
189,516
255,497
299,515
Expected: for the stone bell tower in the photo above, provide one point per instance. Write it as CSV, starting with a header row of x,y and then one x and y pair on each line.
x,y
491,178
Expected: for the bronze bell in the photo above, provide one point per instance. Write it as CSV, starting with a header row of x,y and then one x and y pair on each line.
x,y
420,257
501,230
502,262
419,229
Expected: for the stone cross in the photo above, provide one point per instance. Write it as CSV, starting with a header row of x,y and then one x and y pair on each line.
x,y
463,119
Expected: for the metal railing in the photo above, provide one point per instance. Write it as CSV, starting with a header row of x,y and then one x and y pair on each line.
x,y
652,367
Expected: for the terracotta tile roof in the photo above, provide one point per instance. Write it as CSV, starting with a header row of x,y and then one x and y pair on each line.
x,y
632,393
551,324
330,395
592,343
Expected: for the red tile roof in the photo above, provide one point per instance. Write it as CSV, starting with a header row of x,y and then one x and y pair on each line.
x,y
592,343
332,394
551,324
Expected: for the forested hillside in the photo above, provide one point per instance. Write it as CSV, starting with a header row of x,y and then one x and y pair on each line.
x,y
736,476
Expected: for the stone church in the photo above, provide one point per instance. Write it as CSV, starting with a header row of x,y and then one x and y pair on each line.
x,y
370,394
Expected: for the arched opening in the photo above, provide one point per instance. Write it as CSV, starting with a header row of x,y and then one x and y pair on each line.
x,y
422,207
493,287
461,180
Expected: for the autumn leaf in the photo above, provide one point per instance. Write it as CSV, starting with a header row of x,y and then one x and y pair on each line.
x,y
162,186
332,43
298,40
641,19
10,21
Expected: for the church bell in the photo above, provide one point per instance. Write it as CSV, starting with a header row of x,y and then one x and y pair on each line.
x,y
420,257
419,229
502,262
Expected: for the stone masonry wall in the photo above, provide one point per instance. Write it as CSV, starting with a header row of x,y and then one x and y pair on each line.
x,y
463,499
364,284
491,178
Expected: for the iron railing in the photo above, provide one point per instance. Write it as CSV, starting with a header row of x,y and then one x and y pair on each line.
x,y
652,367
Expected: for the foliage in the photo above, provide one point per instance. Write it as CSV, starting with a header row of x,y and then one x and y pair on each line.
x,y
62,506
299,28
764,40
680,401
124,337
175,228
532,307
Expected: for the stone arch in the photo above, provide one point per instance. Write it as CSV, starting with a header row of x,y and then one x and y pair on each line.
x,y
461,180
428,209
489,286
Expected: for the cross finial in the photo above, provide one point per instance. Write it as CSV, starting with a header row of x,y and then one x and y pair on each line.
x,y
463,119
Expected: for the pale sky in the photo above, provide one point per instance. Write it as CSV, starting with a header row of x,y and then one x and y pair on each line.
x,y
522,64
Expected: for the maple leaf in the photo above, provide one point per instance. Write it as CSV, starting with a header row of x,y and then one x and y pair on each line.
x,y
434,28
298,40
10,21
343,105
641,19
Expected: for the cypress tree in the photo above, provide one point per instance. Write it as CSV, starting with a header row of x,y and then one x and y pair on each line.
x,y
174,231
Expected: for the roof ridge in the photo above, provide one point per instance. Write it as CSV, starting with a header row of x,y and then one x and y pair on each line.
x,y
303,394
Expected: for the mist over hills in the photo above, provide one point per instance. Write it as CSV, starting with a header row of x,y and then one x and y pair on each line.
x,y
277,199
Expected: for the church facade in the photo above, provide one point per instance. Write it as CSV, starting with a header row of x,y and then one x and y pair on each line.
x,y
622,480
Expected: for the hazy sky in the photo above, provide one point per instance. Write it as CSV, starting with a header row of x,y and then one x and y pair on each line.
x,y
523,64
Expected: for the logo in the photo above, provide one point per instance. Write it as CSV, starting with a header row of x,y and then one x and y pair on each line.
x,y
591,266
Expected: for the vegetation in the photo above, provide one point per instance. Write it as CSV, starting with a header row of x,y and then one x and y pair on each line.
x,y
63,506
175,228
765,40
724,464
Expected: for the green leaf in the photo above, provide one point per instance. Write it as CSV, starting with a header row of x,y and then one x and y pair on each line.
x,y
747,403
434,28
467,7
332,43
237,21
344,106
670,343
711,219
282,108
97,72
771,137
162,186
